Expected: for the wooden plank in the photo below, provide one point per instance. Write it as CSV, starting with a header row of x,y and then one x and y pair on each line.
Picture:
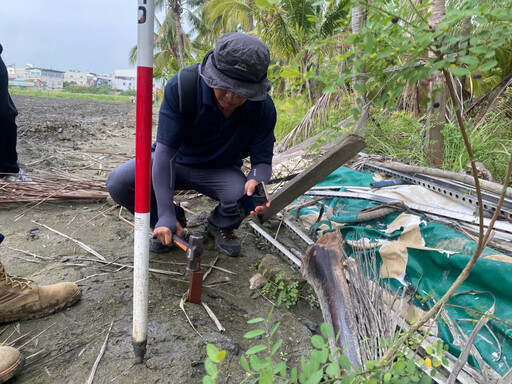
x,y
319,170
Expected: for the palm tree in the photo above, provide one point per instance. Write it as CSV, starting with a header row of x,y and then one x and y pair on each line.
x,y
437,94
231,15
358,83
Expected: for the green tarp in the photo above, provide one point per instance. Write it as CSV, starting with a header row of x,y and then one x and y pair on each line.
x,y
433,272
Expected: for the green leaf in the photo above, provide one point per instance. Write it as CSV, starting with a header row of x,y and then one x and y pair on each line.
x,y
324,355
368,47
387,377
211,351
345,363
274,329
276,346
333,369
211,368
488,65
424,101
500,14
478,50
255,320
256,349
293,374
266,375
261,3
256,363
254,333
317,341
460,71
470,61
329,89
327,330
480,19
290,73
245,364
208,380
411,366
384,54
315,377
280,368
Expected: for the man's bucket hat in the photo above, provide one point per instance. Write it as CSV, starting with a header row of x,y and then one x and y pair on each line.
x,y
238,64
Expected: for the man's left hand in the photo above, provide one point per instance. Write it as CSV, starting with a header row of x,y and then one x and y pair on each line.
x,y
250,186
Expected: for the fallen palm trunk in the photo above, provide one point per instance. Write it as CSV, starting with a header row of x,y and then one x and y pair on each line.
x,y
322,266
323,167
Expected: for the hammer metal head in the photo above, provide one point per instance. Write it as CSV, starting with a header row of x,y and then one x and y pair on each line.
x,y
194,252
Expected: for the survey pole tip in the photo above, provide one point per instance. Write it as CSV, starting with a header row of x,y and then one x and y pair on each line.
x,y
139,348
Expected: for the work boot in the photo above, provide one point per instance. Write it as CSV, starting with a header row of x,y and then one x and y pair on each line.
x,y
11,361
224,239
22,299
156,245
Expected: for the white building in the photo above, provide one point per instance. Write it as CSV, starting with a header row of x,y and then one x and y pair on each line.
x,y
51,78
124,79
79,77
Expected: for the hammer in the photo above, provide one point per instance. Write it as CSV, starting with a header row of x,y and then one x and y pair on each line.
x,y
194,250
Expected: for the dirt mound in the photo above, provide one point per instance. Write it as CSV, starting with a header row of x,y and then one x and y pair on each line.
x,y
91,138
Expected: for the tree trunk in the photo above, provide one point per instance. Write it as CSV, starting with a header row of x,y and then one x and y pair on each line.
x,y
437,95
410,99
180,36
322,266
358,83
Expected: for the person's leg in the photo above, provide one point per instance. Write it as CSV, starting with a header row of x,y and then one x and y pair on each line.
x,y
8,128
121,187
225,185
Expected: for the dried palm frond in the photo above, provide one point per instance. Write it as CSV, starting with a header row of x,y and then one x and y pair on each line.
x,y
316,116
55,185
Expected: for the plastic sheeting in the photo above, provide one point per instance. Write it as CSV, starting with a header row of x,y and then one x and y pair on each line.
x,y
428,256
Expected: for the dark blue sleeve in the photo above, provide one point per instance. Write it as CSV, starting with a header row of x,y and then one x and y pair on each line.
x,y
262,145
170,121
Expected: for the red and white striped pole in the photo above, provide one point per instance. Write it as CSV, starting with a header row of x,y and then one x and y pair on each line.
x,y
144,113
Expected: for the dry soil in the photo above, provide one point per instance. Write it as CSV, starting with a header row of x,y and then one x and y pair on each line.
x,y
92,138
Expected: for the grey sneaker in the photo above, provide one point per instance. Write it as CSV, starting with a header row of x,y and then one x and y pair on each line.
x,y
156,246
20,176
225,240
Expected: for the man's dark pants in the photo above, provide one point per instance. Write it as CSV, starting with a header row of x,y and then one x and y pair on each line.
x,y
225,185
8,128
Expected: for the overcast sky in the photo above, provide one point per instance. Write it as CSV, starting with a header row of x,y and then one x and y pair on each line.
x,y
88,35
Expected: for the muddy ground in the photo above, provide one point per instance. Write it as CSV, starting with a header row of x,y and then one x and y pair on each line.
x,y
92,138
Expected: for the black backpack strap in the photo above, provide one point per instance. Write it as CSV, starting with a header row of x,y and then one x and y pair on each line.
x,y
188,89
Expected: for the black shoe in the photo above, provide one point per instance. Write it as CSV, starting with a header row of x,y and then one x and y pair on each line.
x,y
224,239
156,246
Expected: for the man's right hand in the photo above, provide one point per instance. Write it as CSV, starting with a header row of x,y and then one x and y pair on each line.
x,y
164,234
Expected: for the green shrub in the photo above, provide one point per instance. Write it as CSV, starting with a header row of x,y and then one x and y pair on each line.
x,y
262,363
396,134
